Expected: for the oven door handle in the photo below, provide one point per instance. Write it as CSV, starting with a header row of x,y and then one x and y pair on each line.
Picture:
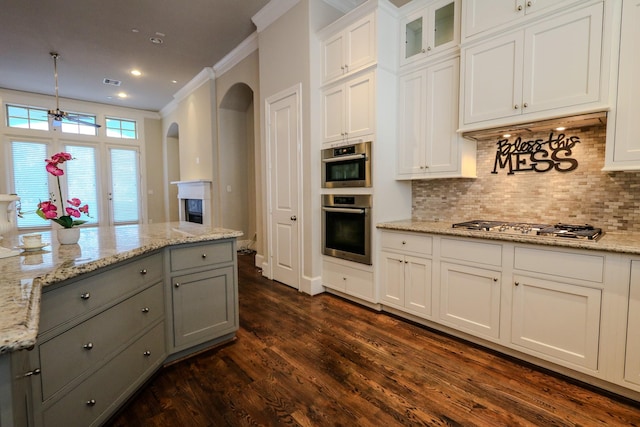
x,y
344,210
344,158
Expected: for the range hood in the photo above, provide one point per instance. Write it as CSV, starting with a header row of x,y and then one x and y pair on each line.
x,y
552,125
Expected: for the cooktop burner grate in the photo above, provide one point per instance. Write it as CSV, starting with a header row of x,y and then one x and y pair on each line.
x,y
575,231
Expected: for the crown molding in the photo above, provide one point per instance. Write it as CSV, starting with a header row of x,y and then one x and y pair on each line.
x,y
271,12
203,76
344,6
244,49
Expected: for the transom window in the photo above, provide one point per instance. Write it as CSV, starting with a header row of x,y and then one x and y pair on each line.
x,y
119,128
27,118
38,119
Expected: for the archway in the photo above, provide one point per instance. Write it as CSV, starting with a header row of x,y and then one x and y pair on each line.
x,y
237,177
172,160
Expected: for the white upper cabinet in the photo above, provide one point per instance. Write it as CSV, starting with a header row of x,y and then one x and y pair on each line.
x,y
552,66
430,30
428,144
350,50
623,144
484,15
349,109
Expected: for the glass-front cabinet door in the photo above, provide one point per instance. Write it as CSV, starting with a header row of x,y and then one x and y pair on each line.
x,y
429,30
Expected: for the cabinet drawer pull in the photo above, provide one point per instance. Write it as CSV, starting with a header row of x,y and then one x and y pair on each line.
x,y
88,346
91,402
177,285
517,283
145,310
34,372
143,271
147,353
85,295
204,256
495,279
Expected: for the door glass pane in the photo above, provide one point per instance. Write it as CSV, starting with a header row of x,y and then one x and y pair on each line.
x,y
30,180
413,38
125,204
82,179
444,21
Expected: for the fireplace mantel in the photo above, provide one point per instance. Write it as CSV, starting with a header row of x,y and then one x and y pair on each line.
x,y
199,189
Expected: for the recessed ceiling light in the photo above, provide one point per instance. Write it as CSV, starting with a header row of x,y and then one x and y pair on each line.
x,y
122,95
174,81
136,73
506,135
156,40
560,128
135,30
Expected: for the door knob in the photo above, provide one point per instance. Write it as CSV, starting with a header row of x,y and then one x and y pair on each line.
x,y
293,218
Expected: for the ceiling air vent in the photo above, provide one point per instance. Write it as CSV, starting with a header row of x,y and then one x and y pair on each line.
x,y
112,82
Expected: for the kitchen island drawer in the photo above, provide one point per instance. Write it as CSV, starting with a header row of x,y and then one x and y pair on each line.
x,y
407,242
203,255
572,265
79,297
96,398
68,355
473,251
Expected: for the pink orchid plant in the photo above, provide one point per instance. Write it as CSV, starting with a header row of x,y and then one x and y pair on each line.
x,y
49,210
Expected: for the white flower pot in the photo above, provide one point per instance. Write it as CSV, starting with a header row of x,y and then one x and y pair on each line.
x,y
68,236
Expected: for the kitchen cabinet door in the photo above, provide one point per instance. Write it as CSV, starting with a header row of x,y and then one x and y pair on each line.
x,y
429,145
562,61
349,50
349,109
485,15
493,79
556,321
406,282
203,306
470,299
430,30
632,363
623,144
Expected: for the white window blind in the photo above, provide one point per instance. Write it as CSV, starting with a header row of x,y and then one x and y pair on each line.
x,y
82,179
124,185
30,180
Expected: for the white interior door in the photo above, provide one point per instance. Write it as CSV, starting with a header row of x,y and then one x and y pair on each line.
x,y
284,177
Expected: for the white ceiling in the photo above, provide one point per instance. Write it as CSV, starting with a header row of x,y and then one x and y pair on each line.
x,y
95,40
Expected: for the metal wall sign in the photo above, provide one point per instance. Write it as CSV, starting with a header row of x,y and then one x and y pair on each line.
x,y
537,155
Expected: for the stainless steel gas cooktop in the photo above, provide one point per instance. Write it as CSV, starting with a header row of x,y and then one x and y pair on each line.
x,y
573,231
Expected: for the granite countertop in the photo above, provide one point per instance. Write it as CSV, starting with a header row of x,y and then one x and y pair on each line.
x,y
24,276
614,241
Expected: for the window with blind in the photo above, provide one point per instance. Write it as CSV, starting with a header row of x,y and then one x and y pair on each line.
x,y
30,180
125,190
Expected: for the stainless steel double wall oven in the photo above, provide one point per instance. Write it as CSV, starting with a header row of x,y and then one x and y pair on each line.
x,y
346,218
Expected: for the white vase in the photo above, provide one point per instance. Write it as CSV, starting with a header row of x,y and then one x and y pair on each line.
x,y
68,236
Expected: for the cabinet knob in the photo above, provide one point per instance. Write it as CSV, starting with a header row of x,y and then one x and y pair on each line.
x,y
143,271
204,256
34,372
406,262
529,4
177,285
145,310
525,105
404,242
147,353
88,346
429,48
519,8
85,295
517,283
515,107
495,279
294,218
91,402
342,67
344,278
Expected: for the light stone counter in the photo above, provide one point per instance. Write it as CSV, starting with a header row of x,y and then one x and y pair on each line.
x,y
22,277
622,242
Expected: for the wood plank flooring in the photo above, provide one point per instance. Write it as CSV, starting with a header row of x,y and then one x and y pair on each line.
x,y
322,361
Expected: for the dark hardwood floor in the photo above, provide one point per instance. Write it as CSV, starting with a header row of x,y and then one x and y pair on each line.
x,y
322,361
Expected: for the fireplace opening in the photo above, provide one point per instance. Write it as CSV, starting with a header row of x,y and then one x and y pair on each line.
x,y
193,210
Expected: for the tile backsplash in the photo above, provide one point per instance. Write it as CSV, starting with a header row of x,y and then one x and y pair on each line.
x,y
610,200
